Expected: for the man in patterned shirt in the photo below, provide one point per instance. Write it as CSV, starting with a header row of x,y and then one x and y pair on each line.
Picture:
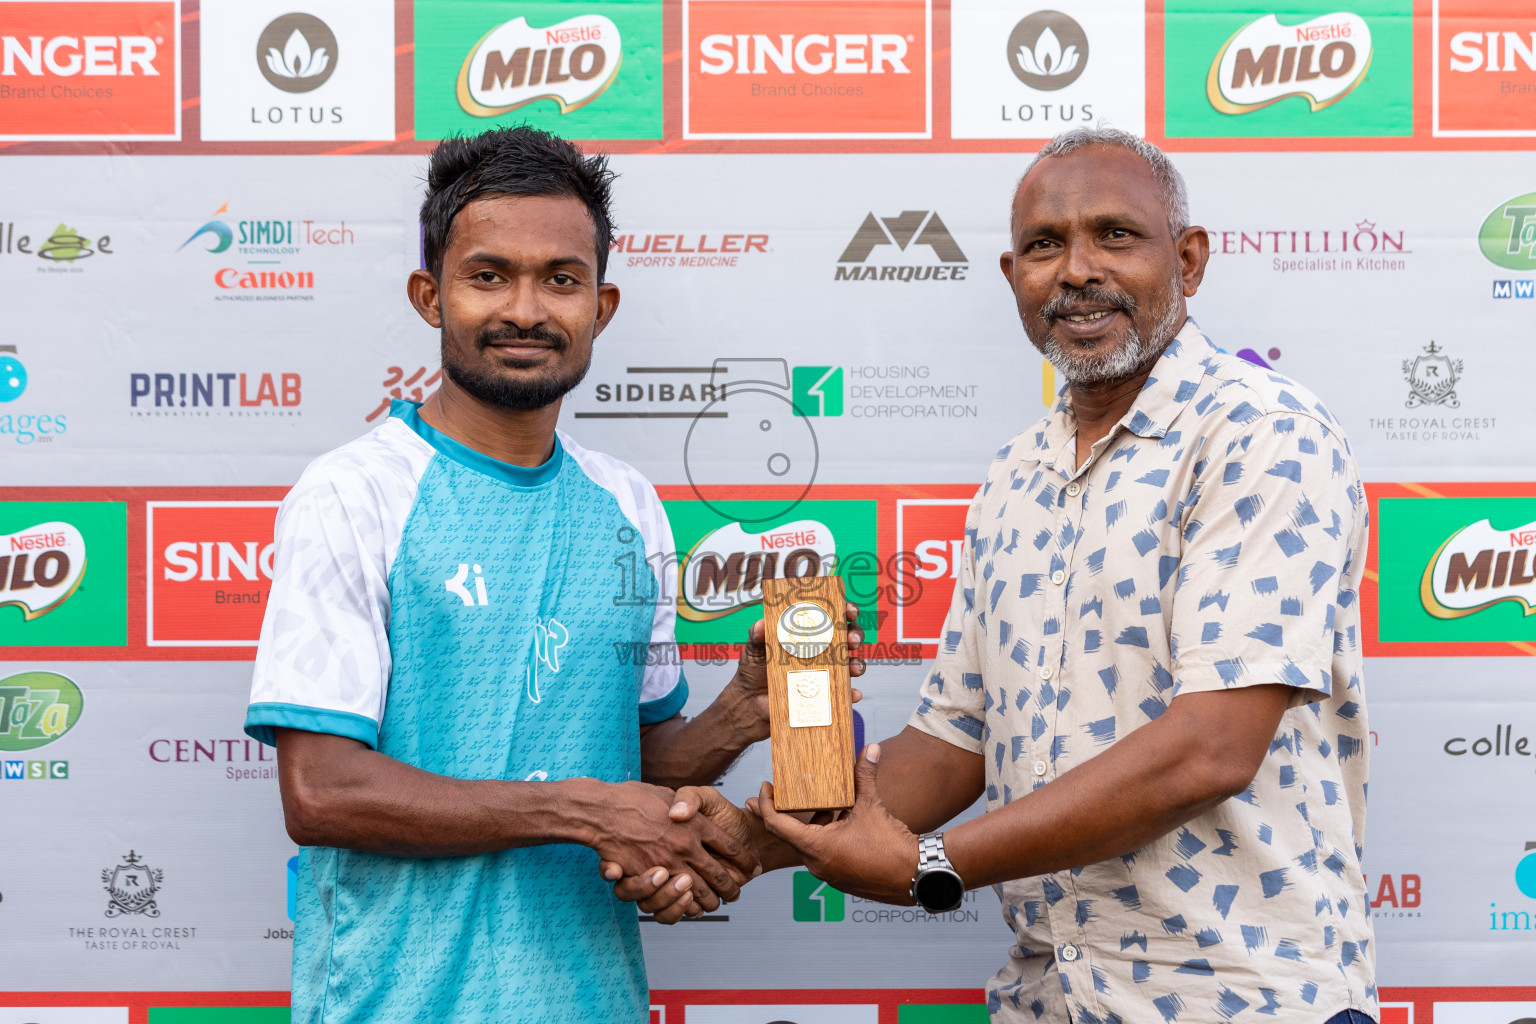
x,y
1151,667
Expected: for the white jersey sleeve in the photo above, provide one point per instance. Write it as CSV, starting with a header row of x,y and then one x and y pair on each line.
x,y
323,661
664,690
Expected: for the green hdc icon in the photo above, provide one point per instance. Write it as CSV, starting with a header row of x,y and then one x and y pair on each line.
x,y
816,901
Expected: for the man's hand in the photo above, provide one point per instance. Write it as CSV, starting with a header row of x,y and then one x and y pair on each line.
x,y
751,679
866,851
671,897
640,829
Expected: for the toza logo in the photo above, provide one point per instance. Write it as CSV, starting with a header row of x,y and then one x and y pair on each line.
x,y
131,887
455,586
548,638
1432,378
297,52
37,708
40,567
515,64
1321,60
1048,51
1508,235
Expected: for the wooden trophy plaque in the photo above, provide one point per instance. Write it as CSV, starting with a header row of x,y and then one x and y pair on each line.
x,y
810,700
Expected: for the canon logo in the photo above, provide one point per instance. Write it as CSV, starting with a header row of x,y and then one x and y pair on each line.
x,y
78,55
183,562
813,54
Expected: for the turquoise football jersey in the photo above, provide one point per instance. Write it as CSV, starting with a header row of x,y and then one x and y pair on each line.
x,y
481,621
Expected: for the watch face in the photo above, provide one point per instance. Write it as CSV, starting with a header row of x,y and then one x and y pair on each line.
x,y
939,891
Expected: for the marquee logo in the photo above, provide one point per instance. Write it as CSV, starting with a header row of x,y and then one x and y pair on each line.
x,y
297,53
725,570
40,567
1478,567
1048,51
806,69
1508,235
515,64
1264,62
906,231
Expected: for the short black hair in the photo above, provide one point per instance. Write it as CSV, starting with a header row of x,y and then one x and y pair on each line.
x,y
516,161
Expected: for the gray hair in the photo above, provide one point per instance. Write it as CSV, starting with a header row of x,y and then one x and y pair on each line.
x,y
1167,176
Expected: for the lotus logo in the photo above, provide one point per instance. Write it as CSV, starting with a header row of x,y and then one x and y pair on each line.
x,y
1264,62
516,64
1047,51
297,53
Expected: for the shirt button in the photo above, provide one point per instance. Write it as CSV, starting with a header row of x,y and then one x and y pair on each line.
x,y
1069,952
1040,767
1074,488
1059,577
1046,671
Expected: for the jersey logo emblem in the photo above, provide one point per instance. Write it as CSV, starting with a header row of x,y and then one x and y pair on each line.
x,y
548,638
455,586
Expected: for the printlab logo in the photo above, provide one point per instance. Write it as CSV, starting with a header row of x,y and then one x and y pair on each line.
x,y
516,64
131,887
1432,378
548,638
818,390
815,901
911,228
455,586
1048,51
297,53
1508,234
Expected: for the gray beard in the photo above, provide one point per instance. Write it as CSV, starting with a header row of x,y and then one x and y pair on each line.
x,y
1133,354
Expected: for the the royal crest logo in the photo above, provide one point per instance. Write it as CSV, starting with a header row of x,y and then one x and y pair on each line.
x,y
1432,378
132,886
40,567
1264,62
1479,566
515,64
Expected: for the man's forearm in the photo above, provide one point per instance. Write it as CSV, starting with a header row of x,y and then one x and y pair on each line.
x,y
698,751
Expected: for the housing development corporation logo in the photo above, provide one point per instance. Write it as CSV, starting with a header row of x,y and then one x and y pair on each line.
x,y
806,69
921,230
1048,50
297,53
593,73
1485,69
1321,60
571,63
90,71
815,901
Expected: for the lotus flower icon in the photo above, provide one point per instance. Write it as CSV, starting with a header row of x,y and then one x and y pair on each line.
x,y
299,61
1047,58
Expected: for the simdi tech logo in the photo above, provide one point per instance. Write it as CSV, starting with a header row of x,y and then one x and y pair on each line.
x,y
1027,73
91,71
63,574
590,72
271,71
264,246
1484,69
807,69
1308,69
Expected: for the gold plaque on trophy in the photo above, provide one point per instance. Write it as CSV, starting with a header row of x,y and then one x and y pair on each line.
x,y
810,698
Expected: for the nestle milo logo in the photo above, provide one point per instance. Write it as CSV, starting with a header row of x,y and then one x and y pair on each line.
x,y
516,64
37,708
40,567
1479,566
724,571
1508,235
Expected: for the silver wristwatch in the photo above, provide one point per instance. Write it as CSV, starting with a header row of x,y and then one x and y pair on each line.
x,y
936,887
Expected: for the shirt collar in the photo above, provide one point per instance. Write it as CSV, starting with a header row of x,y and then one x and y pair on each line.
x,y
518,476
1174,379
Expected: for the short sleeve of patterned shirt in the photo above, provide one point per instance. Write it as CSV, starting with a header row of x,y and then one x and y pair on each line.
x,y
1213,540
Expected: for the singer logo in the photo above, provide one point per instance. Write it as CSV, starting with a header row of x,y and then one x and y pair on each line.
x,y
516,64
930,534
90,71
806,69
210,571
1485,69
1322,60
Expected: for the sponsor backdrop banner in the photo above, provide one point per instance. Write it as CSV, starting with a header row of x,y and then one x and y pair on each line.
x,y
208,216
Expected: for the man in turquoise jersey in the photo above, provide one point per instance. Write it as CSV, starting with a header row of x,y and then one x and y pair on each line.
x,y
471,701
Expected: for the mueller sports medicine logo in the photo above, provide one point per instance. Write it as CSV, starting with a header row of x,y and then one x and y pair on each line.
x,y
920,235
215,394
297,53
806,69
1479,566
210,571
687,249
516,64
724,571
89,71
41,567
1264,62
1048,51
